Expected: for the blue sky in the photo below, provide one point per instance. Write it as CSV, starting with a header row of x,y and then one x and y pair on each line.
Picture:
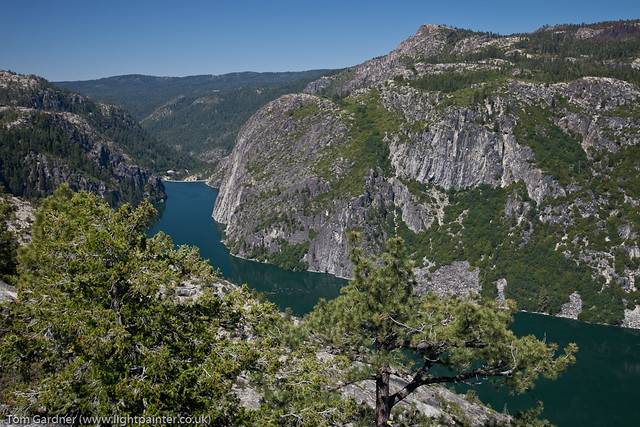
x,y
73,40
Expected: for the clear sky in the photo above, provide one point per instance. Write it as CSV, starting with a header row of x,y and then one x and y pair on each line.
x,y
73,40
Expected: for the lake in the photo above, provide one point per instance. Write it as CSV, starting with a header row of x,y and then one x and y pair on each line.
x,y
601,389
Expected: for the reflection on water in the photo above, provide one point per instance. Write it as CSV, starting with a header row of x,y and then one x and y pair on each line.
x,y
601,389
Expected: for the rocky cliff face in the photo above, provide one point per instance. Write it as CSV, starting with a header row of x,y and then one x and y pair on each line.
x,y
509,164
50,137
22,215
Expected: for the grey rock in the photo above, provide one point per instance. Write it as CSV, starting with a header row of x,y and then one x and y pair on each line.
x,y
434,402
21,218
600,93
632,318
7,293
602,263
587,33
572,308
417,214
484,41
501,286
455,279
453,154
248,395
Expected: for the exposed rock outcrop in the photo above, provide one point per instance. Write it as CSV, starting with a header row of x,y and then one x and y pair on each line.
x,y
52,137
455,279
390,147
572,308
21,218
434,402
501,285
7,293
632,318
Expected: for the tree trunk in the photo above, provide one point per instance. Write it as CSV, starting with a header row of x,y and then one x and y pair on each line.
x,y
383,404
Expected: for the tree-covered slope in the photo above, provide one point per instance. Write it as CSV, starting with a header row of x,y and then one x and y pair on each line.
x,y
199,115
50,136
509,164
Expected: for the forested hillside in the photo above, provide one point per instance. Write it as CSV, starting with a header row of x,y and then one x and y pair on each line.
x,y
198,115
50,136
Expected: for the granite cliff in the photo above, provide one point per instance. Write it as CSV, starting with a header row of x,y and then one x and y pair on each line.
x,y
50,136
509,164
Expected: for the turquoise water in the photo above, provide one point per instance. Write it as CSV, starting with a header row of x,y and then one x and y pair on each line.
x,y
603,387
186,217
601,390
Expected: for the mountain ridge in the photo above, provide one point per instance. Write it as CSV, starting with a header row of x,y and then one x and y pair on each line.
x,y
198,116
513,155
213,81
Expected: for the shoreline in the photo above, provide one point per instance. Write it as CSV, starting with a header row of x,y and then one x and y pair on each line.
x,y
268,263
517,311
347,279
577,320
274,265
182,180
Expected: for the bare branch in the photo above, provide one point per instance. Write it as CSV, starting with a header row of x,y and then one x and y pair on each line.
x,y
420,379
292,415
413,330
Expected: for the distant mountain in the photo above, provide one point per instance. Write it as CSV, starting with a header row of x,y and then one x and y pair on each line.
x,y
509,164
199,115
49,136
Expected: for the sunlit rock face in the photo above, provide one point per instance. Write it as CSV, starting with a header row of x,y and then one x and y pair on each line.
x,y
395,145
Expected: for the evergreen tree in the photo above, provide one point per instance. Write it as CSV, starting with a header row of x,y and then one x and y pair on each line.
x,y
101,326
8,242
104,325
379,321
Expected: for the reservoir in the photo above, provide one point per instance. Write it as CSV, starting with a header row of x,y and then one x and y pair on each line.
x,y
601,389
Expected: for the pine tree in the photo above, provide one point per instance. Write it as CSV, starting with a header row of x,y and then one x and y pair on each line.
x,y
100,327
380,322
8,242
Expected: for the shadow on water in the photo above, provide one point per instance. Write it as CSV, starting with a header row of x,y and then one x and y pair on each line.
x,y
601,389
